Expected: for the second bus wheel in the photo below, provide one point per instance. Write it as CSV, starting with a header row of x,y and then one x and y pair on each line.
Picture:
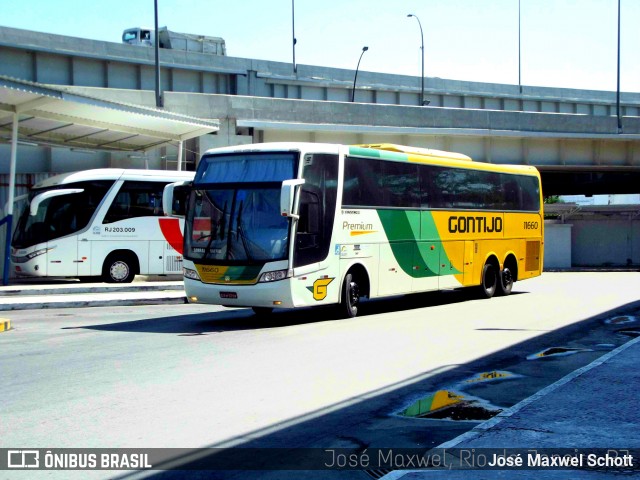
x,y
350,296
505,285
119,268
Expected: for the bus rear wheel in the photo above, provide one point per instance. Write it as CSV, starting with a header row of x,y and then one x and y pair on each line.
x,y
350,297
505,285
489,281
119,268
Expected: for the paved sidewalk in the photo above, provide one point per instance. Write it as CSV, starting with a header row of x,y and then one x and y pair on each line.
x,y
67,294
593,407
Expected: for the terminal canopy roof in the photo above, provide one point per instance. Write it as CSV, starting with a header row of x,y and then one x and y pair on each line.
x,y
50,115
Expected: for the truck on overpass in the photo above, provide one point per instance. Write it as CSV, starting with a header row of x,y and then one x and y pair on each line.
x,y
175,40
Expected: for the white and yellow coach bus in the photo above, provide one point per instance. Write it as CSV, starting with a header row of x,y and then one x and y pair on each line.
x,y
287,225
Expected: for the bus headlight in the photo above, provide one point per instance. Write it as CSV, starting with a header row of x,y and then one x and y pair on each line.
x,y
192,274
273,276
29,256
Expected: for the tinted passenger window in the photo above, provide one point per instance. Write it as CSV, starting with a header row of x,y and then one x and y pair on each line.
x,y
318,197
136,199
383,184
387,184
530,188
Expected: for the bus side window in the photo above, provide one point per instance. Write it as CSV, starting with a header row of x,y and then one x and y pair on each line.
x,y
511,194
136,199
180,199
318,197
309,224
530,189
427,198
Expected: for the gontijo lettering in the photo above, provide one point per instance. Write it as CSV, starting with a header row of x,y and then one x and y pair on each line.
x,y
479,224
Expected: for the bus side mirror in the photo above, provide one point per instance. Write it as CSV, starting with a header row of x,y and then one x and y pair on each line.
x,y
287,197
174,199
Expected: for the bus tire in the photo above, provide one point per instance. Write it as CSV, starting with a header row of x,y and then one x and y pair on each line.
x,y
350,297
119,268
505,285
489,281
262,311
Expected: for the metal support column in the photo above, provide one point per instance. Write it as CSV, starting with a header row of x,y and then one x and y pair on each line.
x,y
8,219
180,155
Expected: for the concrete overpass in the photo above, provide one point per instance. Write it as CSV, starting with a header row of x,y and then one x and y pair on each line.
x,y
571,135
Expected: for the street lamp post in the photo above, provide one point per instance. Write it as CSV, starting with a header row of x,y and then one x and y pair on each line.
x,y
353,93
157,53
422,49
519,50
293,32
618,112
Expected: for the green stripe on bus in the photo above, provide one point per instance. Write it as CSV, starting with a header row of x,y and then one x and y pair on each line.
x,y
243,272
403,230
380,154
415,242
364,152
429,233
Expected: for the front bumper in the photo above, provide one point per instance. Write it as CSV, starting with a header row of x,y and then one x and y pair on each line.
x,y
269,294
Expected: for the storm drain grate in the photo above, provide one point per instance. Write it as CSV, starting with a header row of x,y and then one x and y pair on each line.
x,y
467,410
556,352
378,472
621,320
629,332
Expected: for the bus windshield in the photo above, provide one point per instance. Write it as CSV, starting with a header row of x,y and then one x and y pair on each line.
x,y
237,224
60,215
234,208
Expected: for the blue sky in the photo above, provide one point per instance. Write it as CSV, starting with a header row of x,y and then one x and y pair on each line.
x,y
565,43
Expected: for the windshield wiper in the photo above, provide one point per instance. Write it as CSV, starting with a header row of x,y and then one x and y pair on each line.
x,y
223,221
212,235
240,232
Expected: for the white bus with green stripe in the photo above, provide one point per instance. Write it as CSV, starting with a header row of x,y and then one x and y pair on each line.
x,y
287,225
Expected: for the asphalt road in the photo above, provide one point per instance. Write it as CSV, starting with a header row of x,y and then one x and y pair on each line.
x,y
190,376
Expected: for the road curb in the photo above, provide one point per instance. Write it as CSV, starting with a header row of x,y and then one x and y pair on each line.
x,y
79,303
480,429
484,426
76,289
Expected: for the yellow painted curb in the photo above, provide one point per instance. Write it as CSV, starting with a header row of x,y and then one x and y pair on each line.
x,y
5,324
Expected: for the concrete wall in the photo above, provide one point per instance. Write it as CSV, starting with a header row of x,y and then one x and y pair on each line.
x,y
557,245
592,236
613,241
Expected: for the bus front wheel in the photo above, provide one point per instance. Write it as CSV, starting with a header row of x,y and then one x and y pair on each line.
x,y
350,297
489,281
118,269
